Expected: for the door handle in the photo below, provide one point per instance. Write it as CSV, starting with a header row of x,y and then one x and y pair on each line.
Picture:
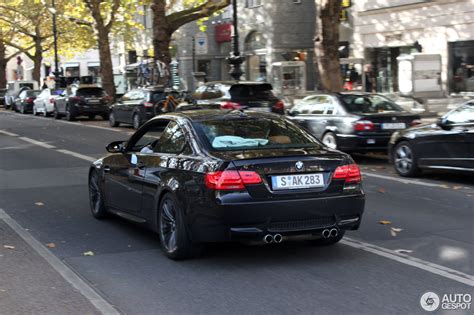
x,y
106,169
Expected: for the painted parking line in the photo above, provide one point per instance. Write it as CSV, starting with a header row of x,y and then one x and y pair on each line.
x,y
374,249
67,273
11,134
38,143
403,180
411,261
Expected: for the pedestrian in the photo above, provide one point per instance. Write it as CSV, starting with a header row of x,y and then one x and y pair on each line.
x,y
45,84
369,78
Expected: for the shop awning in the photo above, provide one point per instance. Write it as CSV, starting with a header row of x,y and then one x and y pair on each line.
x,y
93,64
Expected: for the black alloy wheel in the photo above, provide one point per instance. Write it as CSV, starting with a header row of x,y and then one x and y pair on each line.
x,y
56,113
175,242
136,121
404,160
91,116
112,121
70,115
96,200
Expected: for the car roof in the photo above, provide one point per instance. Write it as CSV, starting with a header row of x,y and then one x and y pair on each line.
x,y
216,114
237,82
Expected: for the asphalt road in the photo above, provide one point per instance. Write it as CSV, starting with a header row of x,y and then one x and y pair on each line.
x,y
43,187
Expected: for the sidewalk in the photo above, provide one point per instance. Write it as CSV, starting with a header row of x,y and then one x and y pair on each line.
x,y
30,285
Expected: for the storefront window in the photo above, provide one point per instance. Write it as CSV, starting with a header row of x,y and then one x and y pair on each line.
x,y
461,72
72,71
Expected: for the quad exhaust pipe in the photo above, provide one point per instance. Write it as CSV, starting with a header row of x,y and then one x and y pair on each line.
x,y
277,238
330,233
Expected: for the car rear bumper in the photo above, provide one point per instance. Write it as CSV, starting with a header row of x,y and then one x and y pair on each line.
x,y
90,109
251,221
363,142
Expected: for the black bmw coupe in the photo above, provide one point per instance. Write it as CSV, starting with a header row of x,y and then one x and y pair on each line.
x,y
211,176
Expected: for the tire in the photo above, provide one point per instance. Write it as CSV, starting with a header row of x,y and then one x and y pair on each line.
x,y
136,121
330,140
404,160
96,200
328,241
70,115
112,121
91,117
105,116
56,114
174,238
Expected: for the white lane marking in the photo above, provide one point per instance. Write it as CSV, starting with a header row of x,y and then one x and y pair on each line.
x,y
67,273
11,134
411,261
38,143
77,155
71,123
403,180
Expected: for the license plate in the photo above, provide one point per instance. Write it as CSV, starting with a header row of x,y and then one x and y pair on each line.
x,y
393,126
93,101
297,181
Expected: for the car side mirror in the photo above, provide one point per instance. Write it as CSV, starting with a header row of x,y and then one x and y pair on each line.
x,y
116,147
443,123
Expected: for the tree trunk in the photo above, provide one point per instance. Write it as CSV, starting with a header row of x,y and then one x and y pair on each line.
x,y
106,68
161,37
3,66
37,60
327,45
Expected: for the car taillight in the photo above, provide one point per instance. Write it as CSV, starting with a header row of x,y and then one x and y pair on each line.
x,y
29,100
231,180
279,106
76,98
230,105
415,122
51,100
350,173
148,104
363,125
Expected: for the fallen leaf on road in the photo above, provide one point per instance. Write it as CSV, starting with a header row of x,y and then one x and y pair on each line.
x,y
385,222
394,231
381,190
2,290
403,251
457,187
8,247
39,204
89,253
51,245
445,186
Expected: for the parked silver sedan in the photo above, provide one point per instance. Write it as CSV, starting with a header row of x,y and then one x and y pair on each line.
x,y
44,102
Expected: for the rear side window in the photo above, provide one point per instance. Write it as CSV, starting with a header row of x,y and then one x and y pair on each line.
x,y
253,134
368,104
251,91
91,92
172,140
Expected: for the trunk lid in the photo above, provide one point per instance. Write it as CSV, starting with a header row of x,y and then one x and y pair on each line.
x,y
389,121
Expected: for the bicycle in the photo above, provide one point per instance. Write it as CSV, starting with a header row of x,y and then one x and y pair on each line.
x,y
169,104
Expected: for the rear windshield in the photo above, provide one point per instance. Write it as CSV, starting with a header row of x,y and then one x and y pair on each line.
x,y
157,96
368,104
253,134
251,91
33,93
90,92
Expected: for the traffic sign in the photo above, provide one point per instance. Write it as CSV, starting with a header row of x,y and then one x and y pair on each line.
x,y
201,41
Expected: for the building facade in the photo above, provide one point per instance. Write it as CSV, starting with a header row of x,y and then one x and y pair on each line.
x,y
384,30
270,31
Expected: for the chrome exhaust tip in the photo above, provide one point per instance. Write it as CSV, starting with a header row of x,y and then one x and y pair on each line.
x,y
277,238
326,233
268,238
334,232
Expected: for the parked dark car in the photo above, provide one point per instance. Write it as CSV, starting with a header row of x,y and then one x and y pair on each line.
x,y
352,122
137,106
213,175
236,95
446,144
2,96
82,101
25,101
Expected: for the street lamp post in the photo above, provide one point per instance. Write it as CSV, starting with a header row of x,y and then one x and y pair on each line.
x,y
235,60
55,38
